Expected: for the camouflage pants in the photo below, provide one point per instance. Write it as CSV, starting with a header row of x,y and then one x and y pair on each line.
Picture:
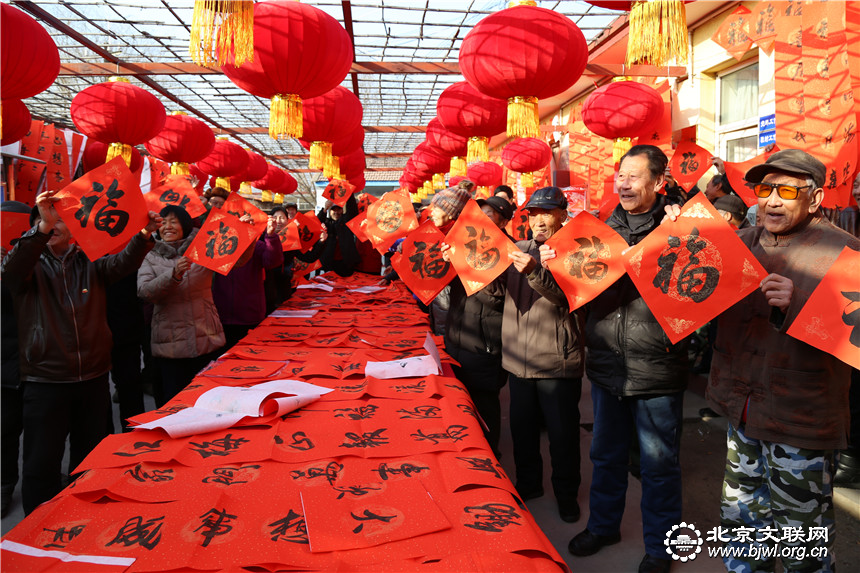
x,y
778,500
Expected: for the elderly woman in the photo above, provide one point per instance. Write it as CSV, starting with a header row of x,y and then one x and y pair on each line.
x,y
186,330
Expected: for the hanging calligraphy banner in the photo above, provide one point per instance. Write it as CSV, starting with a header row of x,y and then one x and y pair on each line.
x,y
518,226
479,249
389,219
221,241
661,134
58,174
175,190
762,24
237,206
588,258
29,174
733,33
689,163
690,270
13,226
338,191
103,209
420,263
830,319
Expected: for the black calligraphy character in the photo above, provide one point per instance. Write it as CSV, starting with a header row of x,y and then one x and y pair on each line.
x,y
848,133
215,523
420,412
455,433
227,244
141,448
56,158
428,261
137,532
488,257
291,528
169,196
416,388
87,204
468,409
301,442
250,368
492,517
482,465
366,440
697,282
331,473
171,409
141,475
228,475
689,164
220,447
406,470
852,319
798,137
111,221
370,516
361,413
522,227
305,233
354,490
63,536
593,268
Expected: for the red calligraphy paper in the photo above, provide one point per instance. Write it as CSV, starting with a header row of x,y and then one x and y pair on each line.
x,y
309,229
389,219
58,161
103,209
338,191
29,175
830,319
661,134
733,33
479,249
689,164
238,206
244,368
420,264
14,225
736,173
357,226
301,270
175,190
762,24
221,241
588,258
518,226
690,270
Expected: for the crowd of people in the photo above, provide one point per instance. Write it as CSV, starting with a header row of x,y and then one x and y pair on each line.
x,y
518,330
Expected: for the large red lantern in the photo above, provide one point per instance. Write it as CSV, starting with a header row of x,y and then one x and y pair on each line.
x,y
485,174
359,182
30,61
522,54
622,109
467,112
118,113
326,118
300,53
226,160
15,120
526,155
342,145
457,146
289,185
183,140
95,154
273,179
431,162
352,164
256,169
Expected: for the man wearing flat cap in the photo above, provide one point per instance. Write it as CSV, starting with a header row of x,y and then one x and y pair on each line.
x,y
786,401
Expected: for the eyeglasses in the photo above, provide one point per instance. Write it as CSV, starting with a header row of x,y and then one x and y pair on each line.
x,y
788,192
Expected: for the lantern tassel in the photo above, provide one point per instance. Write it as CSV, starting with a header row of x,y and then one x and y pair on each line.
x,y
621,146
245,188
478,149
266,196
658,32
428,188
523,117
118,148
331,166
438,181
320,154
219,27
527,179
457,167
179,168
278,199
285,117
483,193
223,182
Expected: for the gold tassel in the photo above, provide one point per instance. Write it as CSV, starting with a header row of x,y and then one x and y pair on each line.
x,y
458,167
331,168
482,193
285,116
118,148
527,179
422,194
279,199
223,182
428,188
245,188
208,45
320,154
621,146
478,149
414,197
438,181
266,196
513,3
179,168
523,117
658,33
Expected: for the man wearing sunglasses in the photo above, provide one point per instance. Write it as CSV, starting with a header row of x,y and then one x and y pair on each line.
x,y
786,402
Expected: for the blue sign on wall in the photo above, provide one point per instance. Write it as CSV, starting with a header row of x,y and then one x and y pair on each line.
x,y
766,138
767,122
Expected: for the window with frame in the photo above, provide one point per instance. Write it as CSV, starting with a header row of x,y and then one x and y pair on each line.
x,y
738,104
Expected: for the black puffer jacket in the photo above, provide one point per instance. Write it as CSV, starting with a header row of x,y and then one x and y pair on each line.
x,y
61,306
628,353
338,253
474,322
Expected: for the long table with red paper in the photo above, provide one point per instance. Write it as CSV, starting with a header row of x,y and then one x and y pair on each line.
x,y
376,474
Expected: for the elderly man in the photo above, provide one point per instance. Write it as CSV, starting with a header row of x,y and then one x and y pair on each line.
x,y
637,378
786,401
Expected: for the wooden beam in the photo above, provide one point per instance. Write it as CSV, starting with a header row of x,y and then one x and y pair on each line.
x,y
300,157
367,169
367,129
378,68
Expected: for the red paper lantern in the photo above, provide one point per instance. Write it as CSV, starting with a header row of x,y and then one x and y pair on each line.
x,y
485,174
522,54
359,182
343,145
300,52
289,185
273,179
431,162
353,164
95,155
326,118
118,113
467,112
526,155
16,120
622,109
457,146
226,160
30,60
181,141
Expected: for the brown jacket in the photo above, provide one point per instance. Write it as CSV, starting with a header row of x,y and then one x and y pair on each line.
x,y
185,322
798,395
